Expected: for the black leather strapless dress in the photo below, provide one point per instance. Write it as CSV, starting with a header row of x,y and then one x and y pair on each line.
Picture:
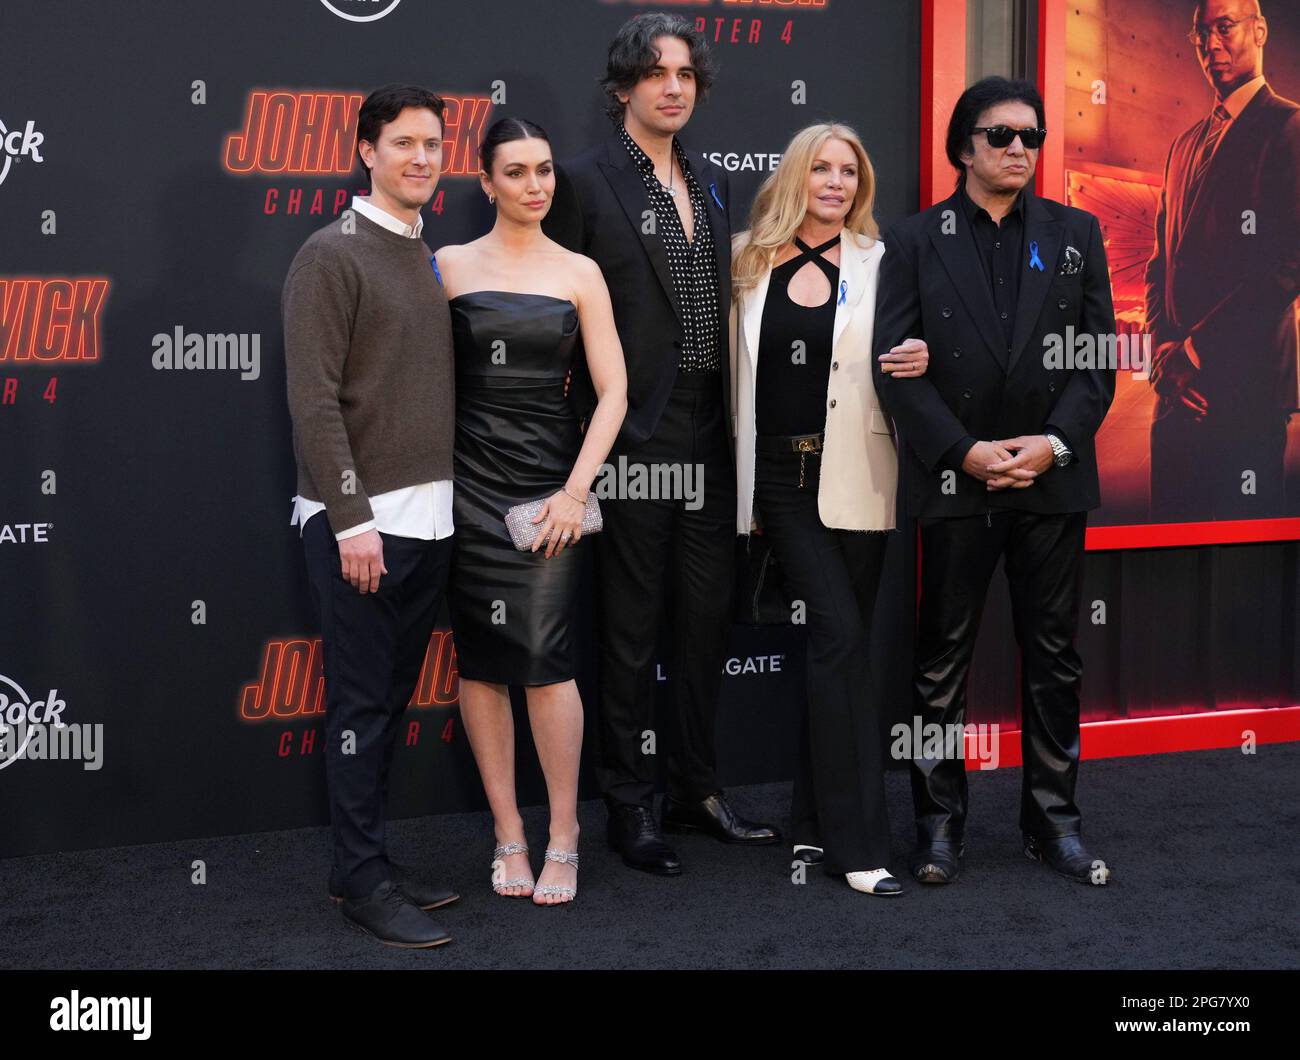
x,y
516,441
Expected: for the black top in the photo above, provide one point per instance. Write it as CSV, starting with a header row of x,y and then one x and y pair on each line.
x,y
1002,253
691,264
794,350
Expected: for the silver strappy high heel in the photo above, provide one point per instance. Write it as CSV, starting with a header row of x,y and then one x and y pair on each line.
x,y
565,857
498,856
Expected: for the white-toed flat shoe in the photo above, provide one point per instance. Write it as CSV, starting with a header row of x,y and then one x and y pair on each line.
x,y
875,881
809,855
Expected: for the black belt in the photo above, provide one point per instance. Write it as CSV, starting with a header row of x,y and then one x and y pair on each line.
x,y
802,444
789,443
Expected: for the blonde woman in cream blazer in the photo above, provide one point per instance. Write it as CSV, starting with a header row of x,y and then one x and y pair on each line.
x,y
817,469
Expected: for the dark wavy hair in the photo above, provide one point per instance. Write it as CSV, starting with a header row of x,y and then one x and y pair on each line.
x,y
502,131
983,94
632,55
385,104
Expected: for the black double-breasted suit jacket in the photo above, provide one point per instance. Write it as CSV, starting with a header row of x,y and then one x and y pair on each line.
x,y
933,286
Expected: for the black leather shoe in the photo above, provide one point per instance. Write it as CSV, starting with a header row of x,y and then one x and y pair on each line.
x,y
809,855
714,816
936,861
425,895
631,831
393,919
1067,856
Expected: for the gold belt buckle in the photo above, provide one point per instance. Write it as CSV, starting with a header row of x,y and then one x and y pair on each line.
x,y
810,443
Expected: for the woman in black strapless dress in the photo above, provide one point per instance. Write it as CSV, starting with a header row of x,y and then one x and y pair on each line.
x,y
518,302
516,442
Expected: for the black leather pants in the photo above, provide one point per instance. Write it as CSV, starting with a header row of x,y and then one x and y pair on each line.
x,y
1044,563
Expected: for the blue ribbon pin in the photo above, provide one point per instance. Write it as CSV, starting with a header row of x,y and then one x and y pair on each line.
x,y
713,190
844,291
1035,262
434,262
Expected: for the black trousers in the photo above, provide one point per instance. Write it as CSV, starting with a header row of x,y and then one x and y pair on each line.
x,y
373,647
839,789
648,548
1197,468
1044,565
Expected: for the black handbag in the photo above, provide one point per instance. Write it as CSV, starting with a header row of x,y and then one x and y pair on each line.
x,y
761,596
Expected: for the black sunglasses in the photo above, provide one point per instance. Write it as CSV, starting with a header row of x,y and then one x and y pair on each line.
x,y
1002,135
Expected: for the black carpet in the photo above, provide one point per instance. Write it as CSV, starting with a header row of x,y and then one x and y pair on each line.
x,y
1203,846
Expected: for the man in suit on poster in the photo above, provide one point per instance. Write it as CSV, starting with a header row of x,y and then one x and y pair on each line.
x,y
654,218
1221,284
998,455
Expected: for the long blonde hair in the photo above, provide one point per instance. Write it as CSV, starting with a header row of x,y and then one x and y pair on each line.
x,y
782,201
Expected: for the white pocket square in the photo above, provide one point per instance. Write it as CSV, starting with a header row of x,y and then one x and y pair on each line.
x,y
1073,263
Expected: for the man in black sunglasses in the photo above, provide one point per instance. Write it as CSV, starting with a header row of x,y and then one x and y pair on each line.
x,y
998,456
1221,284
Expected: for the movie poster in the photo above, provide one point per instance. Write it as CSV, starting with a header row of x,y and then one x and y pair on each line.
x,y
1183,137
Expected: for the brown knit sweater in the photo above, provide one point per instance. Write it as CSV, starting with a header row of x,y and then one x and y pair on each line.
x,y
367,349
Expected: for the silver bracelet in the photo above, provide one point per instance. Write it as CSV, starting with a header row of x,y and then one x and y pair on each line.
x,y
566,492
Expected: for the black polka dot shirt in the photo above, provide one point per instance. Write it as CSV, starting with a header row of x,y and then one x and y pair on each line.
x,y
692,265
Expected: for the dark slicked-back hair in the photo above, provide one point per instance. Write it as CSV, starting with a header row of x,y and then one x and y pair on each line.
x,y
983,94
385,104
503,131
632,55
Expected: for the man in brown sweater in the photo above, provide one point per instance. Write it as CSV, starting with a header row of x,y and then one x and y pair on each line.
x,y
370,380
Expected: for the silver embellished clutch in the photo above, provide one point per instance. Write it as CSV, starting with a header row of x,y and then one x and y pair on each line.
x,y
523,531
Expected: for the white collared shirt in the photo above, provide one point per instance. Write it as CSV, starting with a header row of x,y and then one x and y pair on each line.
x,y
1240,97
422,511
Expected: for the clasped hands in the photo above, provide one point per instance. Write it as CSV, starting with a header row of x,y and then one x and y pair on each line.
x,y
1011,463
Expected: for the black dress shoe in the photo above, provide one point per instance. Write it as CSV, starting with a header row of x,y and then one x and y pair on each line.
x,y
1067,856
393,919
631,831
714,816
425,895
936,861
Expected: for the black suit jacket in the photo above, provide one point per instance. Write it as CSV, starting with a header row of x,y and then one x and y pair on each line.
x,y
1232,292
598,209
933,287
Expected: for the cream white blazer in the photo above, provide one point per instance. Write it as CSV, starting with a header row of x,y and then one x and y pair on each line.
x,y
859,477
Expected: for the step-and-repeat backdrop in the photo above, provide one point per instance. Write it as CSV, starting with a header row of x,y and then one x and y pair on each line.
x,y
160,164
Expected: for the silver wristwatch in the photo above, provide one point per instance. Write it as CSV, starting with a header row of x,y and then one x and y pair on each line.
x,y
1061,454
